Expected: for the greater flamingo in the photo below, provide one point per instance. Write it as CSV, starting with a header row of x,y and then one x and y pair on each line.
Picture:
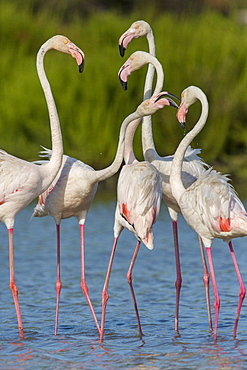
x,y
21,181
193,166
138,199
71,194
210,205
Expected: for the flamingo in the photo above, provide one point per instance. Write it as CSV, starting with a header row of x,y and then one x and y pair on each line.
x,y
210,205
21,181
138,200
71,194
193,166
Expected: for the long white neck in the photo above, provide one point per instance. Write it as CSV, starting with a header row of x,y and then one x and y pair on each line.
x,y
114,167
148,146
50,169
129,156
151,69
176,171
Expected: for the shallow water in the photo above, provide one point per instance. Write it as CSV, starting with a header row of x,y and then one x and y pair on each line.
x,y
77,346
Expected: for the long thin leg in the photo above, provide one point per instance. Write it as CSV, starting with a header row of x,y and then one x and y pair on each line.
x,y
105,295
12,284
178,282
129,279
58,282
216,294
206,277
242,290
84,287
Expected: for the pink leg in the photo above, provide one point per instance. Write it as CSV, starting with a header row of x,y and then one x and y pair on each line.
x,y
129,279
242,289
84,287
12,284
206,284
178,282
58,282
216,294
105,296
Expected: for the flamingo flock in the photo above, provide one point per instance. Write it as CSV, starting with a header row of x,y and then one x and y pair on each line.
x,y
65,186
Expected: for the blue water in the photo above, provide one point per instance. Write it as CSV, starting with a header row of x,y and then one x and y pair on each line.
x,y
77,346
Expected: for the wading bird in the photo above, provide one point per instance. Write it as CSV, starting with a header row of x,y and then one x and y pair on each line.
x,y
21,181
138,199
210,205
71,194
193,166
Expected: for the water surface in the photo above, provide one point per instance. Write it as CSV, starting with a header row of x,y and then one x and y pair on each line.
x,y
77,346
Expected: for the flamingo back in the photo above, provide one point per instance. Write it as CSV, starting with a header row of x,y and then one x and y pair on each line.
x,y
139,197
212,208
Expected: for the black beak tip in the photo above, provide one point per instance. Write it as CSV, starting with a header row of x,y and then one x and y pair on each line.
x,y
123,84
183,125
172,103
121,50
81,67
174,96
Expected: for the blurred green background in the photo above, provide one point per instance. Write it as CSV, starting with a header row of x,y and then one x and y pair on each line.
x,y
203,43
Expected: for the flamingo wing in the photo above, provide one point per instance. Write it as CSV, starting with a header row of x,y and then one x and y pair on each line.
x,y
214,203
10,184
139,197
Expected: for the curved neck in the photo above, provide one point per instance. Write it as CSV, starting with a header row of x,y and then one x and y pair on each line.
x,y
160,75
52,167
176,171
129,156
151,69
148,146
114,167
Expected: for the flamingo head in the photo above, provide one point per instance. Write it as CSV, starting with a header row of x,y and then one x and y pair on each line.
x,y
156,102
188,97
137,60
63,44
137,29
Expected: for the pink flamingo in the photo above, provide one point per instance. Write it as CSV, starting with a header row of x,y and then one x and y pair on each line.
x,y
22,181
71,194
193,166
138,199
210,205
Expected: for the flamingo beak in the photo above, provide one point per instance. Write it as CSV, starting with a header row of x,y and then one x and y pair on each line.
x,y
81,66
121,49
181,115
165,95
123,83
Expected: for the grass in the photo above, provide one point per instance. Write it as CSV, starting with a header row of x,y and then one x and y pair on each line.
x,y
207,50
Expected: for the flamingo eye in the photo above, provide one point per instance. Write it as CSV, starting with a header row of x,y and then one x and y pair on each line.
x,y
136,27
66,41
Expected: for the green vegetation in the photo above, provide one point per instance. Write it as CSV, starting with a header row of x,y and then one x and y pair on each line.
x,y
207,50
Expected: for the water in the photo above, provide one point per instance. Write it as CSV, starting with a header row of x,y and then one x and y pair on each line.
x,y
77,346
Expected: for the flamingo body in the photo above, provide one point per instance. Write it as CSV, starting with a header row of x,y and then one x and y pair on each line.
x,y
138,206
16,191
73,190
21,181
139,193
71,194
193,166
210,205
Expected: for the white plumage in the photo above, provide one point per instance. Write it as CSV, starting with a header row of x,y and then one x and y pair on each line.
x,y
193,166
138,202
210,205
20,181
